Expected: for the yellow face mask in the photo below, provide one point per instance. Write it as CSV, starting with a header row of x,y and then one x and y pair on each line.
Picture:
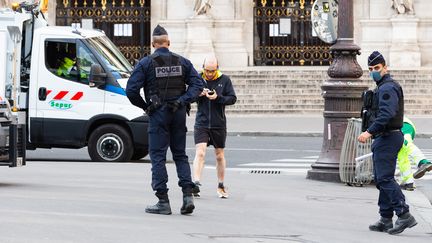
x,y
216,76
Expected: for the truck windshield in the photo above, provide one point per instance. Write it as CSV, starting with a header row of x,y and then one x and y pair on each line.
x,y
118,64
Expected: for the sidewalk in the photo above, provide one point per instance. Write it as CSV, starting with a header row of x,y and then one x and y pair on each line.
x,y
294,125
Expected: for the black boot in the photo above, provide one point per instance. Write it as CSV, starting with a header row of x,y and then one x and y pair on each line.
x,y
161,207
196,189
188,205
382,225
404,221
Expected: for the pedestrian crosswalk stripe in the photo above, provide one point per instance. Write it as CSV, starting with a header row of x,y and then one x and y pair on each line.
x,y
277,164
263,149
293,160
282,170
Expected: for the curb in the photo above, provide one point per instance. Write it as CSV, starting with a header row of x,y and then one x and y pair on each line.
x,y
293,134
422,207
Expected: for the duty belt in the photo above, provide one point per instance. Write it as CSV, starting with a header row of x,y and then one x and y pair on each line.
x,y
386,133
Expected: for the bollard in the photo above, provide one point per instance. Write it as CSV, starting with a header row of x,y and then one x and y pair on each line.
x,y
356,166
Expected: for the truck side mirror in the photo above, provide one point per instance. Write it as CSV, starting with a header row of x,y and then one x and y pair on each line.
x,y
97,77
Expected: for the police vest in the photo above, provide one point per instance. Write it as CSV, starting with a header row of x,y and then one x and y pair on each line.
x,y
170,77
397,121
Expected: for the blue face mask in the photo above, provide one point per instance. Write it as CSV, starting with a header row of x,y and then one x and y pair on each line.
x,y
375,75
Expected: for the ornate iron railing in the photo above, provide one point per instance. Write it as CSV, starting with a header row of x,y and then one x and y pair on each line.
x,y
283,34
125,22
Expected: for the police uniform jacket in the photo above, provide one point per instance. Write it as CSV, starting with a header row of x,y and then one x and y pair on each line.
x,y
144,76
387,107
211,113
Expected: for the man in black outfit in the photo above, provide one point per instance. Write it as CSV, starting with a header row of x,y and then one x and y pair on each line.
x,y
210,122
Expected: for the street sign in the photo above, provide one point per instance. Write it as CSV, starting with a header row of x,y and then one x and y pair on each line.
x,y
325,20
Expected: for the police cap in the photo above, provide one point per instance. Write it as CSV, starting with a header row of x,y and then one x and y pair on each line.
x,y
159,30
375,58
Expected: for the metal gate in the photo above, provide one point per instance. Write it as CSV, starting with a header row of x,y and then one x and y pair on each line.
x,y
283,34
125,22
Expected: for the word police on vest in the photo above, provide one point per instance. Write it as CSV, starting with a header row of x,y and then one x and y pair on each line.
x,y
168,71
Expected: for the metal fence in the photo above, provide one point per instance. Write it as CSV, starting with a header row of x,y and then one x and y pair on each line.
x,y
354,172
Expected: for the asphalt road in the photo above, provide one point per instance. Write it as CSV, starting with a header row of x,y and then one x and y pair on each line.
x,y
239,149
246,153
58,198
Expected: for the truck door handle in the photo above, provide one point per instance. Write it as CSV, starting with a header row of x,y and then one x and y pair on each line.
x,y
42,93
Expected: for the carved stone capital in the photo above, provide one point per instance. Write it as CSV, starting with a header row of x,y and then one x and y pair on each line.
x,y
345,63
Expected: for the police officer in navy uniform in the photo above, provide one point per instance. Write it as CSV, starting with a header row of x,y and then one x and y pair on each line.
x,y
164,76
385,122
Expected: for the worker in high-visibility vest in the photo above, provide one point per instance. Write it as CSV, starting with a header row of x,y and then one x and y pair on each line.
x,y
411,154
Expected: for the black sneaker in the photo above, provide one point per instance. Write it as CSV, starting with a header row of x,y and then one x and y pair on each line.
x,y
421,171
407,186
404,221
196,190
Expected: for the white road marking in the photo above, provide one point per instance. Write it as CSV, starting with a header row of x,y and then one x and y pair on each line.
x,y
291,170
266,150
277,164
293,160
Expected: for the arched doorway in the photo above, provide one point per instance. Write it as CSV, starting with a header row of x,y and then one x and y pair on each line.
x,y
283,35
125,22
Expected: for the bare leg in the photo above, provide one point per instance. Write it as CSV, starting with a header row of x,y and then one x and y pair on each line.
x,y
198,163
220,164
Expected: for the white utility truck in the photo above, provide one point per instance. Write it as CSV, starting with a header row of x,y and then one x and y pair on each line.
x,y
64,87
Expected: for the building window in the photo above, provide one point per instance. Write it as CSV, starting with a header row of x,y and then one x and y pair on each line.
x,y
274,30
122,29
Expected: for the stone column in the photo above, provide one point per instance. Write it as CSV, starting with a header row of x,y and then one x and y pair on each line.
x,y
199,42
5,4
51,14
228,43
404,51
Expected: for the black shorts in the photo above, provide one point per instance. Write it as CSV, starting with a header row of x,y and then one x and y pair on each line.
x,y
215,137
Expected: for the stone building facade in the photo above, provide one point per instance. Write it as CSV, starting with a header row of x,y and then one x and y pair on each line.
x,y
229,29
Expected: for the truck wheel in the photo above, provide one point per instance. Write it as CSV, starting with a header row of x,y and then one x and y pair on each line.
x,y
139,153
110,143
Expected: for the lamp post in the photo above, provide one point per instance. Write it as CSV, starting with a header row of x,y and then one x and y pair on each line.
x,y
342,96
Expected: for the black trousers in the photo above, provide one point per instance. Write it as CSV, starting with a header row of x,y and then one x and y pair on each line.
x,y
385,149
168,129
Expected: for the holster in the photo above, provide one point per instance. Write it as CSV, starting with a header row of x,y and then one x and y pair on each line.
x,y
188,109
367,97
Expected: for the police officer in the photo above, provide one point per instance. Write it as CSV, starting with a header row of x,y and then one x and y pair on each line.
x,y
164,76
385,121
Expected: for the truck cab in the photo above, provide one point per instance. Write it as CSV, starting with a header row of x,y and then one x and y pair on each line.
x,y
72,89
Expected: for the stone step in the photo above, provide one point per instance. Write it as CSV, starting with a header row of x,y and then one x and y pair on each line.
x,y
314,95
271,83
299,91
